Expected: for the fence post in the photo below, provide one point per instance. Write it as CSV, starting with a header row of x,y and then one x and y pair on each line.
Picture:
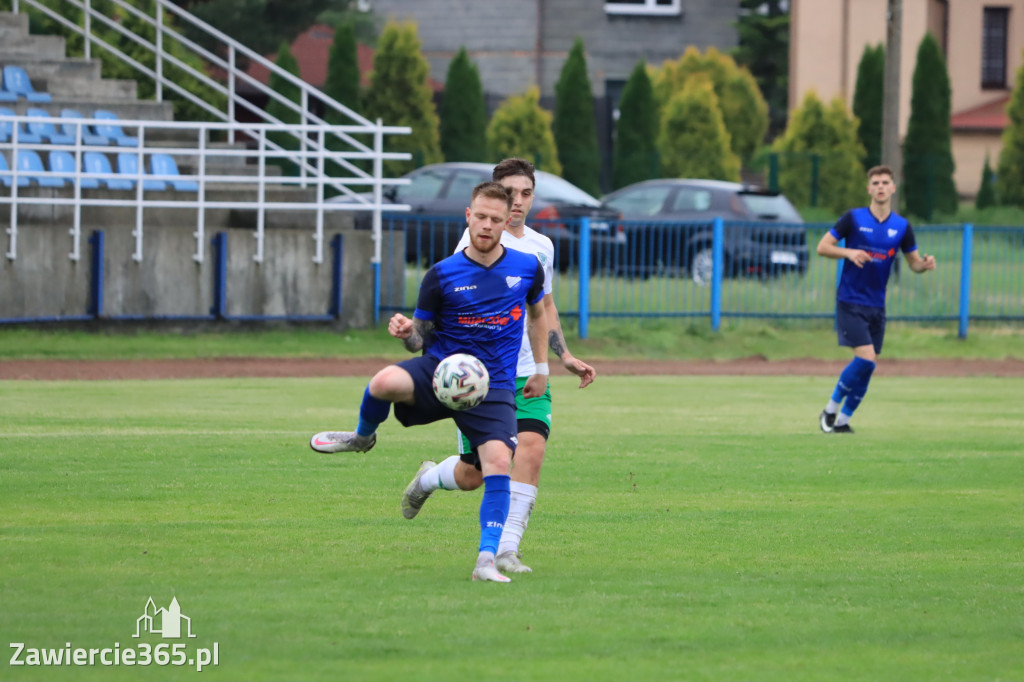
x,y
717,253
334,310
584,298
98,241
220,275
965,279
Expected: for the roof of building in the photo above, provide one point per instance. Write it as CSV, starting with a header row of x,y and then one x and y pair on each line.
x,y
991,116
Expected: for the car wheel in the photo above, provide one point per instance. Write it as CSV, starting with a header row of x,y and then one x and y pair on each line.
x,y
702,265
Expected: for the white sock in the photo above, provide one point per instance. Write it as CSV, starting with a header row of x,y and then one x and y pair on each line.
x,y
441,476
519,507
832,407
842,419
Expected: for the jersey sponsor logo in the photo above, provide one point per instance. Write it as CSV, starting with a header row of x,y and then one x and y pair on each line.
x,y
513,282
492,321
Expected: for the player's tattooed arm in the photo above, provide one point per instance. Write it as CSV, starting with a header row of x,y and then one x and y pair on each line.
x,y
556,339
421,337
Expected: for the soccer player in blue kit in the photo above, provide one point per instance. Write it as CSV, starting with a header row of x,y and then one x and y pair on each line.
x,y
475,301
874,234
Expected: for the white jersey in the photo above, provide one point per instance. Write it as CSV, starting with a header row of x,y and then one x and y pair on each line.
x,y
540,246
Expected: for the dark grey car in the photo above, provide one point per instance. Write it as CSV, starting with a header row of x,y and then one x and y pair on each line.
x,y
439,194
669,229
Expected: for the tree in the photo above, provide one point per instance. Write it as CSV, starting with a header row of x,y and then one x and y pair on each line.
x,y
463,112
867,102
744,109
987,192
343,84
281,111
693,140
928,149
520,127
1010,179
635,157
400,95
763,32
575,129
820,155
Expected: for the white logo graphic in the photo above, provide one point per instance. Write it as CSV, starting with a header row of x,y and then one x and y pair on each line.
x,y
892,233
513,282
863,228
163,622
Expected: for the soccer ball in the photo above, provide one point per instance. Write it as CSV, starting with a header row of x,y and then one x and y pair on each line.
x,y
461,381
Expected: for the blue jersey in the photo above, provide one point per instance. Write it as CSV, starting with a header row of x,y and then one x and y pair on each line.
x,y
882,239
481,310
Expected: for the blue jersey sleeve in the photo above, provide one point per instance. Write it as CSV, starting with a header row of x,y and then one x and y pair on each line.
x,y
909,242
428,306
536,291
843,227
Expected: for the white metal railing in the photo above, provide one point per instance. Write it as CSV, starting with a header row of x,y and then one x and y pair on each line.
x,y
364,192
310,148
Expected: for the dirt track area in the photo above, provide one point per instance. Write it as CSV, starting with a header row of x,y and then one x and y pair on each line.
x,y
54,370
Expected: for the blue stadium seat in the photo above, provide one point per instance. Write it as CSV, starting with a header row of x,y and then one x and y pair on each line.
x,y
5,94
96,162
30,164
17,81
45,129
164,164
5,172
64,162
88,136
7,130
128,164
112,130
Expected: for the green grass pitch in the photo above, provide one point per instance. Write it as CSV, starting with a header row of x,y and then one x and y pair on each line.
x,y
688,528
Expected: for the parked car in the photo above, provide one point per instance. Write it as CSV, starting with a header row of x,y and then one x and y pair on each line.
x,y
669,229
439,194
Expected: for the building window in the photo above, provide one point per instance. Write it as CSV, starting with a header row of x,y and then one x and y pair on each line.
x,y
663,8
993,47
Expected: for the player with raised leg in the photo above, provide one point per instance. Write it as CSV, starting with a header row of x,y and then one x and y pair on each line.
x,y
873,235
471,302
533,413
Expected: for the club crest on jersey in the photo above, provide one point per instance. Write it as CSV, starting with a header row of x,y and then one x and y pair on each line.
x,y
892,233
513,282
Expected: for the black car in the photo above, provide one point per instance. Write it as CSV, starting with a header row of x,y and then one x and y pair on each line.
x,y
669,229
439,194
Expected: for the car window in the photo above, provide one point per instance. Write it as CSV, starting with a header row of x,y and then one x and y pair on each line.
x,y
461,186
423,185
770,206
688,200
642,201
556,190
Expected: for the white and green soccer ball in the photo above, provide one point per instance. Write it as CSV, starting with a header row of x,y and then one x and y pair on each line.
x,y
461,381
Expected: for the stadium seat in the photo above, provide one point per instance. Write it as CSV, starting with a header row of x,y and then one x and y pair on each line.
x,y
64,162
5,94
45,128
128,164
30,164
7,130
113,130
5,172
96,162
88,136
17,81
164,164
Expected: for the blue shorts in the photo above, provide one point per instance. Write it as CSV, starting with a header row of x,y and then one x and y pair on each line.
x,y
860,325
493,419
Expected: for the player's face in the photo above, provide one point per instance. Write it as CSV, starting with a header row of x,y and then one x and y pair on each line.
x,y
522,198
881,187
487,219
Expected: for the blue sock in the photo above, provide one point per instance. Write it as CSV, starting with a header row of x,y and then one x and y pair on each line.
x,y
372,412
493,511
849,378
864,370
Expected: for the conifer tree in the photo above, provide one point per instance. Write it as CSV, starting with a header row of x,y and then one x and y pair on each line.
x,y
343,84
1010,179
574,127
635,157
987,192
867,102
828,137
281,111
463,112
520,127
400,95
693,140
928,149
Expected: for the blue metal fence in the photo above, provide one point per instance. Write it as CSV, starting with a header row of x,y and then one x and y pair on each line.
x,y
722,270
